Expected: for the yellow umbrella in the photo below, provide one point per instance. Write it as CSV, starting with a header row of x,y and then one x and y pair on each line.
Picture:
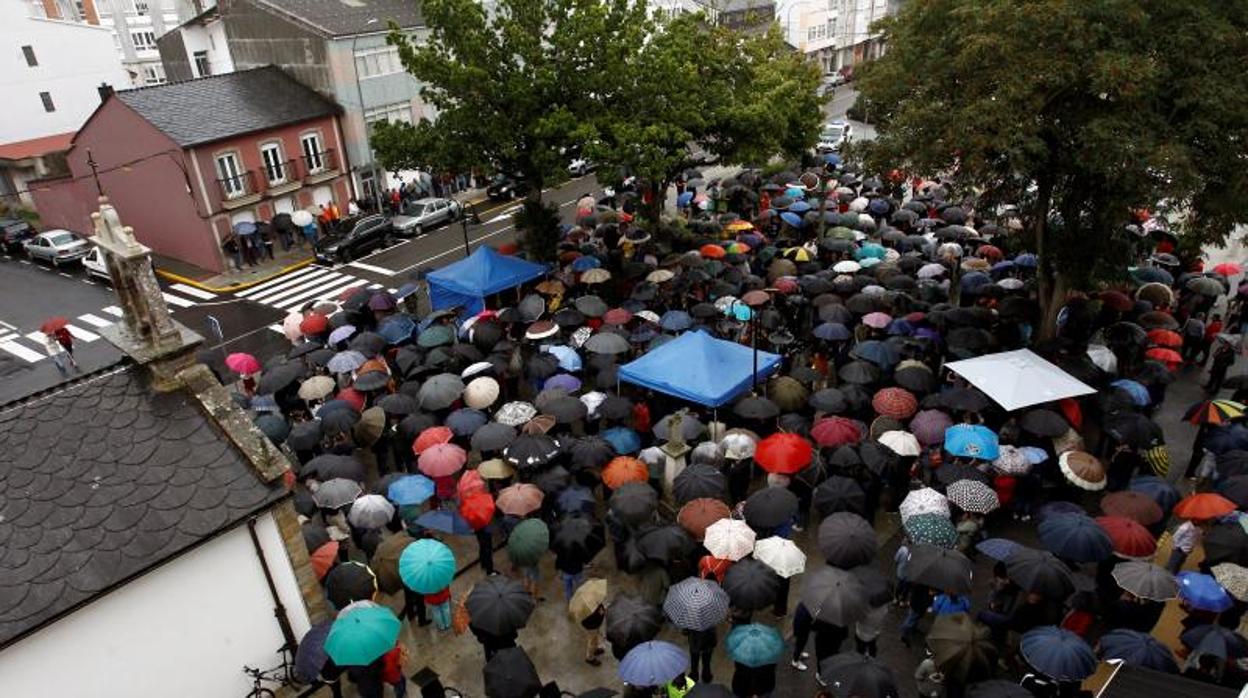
x,y
739,225
658,276
587,598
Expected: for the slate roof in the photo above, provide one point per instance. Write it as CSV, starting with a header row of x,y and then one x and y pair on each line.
x,y
193,112
102,481
348,17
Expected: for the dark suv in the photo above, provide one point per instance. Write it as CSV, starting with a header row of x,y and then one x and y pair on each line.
x,y
14,234
352,237
506,187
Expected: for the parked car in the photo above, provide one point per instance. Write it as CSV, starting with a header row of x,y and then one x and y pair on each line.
x,y
580,166
14,234
834,135
57,247
418,216
507,187
96,265
352,237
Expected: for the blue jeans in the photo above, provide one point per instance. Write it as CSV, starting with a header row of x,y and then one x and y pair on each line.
x,y
571,582
442,615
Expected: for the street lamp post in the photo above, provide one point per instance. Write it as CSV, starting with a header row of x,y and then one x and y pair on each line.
x,y
470,213
359,92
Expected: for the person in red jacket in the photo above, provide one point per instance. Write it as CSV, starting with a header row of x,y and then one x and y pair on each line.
x,y
439,604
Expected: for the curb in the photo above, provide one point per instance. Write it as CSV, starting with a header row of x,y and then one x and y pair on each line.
x,y
233,287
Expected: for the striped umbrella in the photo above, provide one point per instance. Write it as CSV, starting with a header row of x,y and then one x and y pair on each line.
x,y
696,604
1214,412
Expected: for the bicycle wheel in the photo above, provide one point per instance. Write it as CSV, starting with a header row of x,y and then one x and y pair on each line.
x,y
261,693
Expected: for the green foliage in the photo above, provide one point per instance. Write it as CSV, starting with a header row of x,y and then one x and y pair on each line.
x,y
540,225
1077,110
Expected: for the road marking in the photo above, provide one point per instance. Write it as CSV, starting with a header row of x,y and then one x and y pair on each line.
x,y
278,329
95,320
273,283
192,291
370,267
303,281
453,250
323,293
114,310
24,261
68,276
77,332
21,352
321,280
177,300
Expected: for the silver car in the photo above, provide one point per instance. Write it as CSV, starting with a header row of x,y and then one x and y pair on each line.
x,y
57,247
418,216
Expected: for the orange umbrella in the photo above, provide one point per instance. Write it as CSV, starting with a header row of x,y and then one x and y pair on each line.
x,y
712,252
324,558
623,470
1169,357
55,323
699,513
1165,338
477,509
431,437
1205,505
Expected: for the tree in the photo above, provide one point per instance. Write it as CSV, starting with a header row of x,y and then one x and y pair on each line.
x,y
739,97
1079,111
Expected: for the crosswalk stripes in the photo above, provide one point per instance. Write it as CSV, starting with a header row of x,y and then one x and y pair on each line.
x,y
193,292
95,320
9,344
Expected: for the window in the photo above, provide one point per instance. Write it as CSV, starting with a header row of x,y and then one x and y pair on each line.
x,y
372,63
48,106
810,34
144,40
312,154
202,69
140,7
230,173
274,167
154,74
29,53
831,27
399,111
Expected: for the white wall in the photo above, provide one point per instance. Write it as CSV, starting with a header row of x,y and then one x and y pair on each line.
x,y
210,38
185,629
73,60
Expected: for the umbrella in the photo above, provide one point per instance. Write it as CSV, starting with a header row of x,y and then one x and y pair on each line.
x,y
442,460
371,511
781,555
477,509
939,568
1130,538
1233,578
576,499
696,604
240,363
999,549
349,582
529,451
1223,642
770,507
440,391
751,585
444,520
698,514
1039,571
494,436
971,441
756,407
1203,506
634,503
336,493
653,663
834,595
427,566
1214,412
1136,506
520,499
839,493
346,361
577,538
690,428
846,540
607,343
729,539
433,436
466,421
495,469
1202,592
528,541
663,544
901,442
631,621
697,481
511,674
499,605
359,636
587,598
923,501
481,392
310,658
962,648
897,403
622,439
1058,654
624,469
854,675
1146,580
973,496
1159,489
515,413
835,431
1083,470
754,645
278,377
964,399
929,426
1075,537
1140,649
1044,423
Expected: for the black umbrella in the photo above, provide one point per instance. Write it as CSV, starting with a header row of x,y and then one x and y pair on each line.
x,y
964,399
834,596
1133,429
859,372
828,400
278,377
591,452
566,410
1226,542
397,404
493,436
878,458
329,466
847,540
631,621
858,676
663,544
1041,572
915,379
541,366
770,507
634,503
756,407
697,481
939,568
350,582
877,587
368,343
531,451
839,493
511,674
577,538
553,480
690,428
1044,423
751,585
339,421
615,407
499,605
466,421
304,436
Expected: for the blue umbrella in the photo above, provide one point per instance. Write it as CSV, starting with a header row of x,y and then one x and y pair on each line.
x,y
683,199
1058,654
466,421
832,332
696,604
446,521
653,663
975,280
1075,537
675,321
310,658
972,441
1034,454
741,312
1059,508
754,645
870,250
800,206
883,355
569,360
576,500
792,219
1202,592
585,263
562,381
410,490
999,549
1152,275
397,329
1222,439
623,440
1158,488
1140,649
1027,260
1002,267
1215,639
878,207
346,361
1137,391
245,228
868,262
795,192
831,159
332,406
900,328
341,334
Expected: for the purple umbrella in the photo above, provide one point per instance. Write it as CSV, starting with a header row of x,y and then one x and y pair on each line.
x,y
929,426
562,381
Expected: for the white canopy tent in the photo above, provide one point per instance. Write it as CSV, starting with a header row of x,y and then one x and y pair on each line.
x,y
1018,379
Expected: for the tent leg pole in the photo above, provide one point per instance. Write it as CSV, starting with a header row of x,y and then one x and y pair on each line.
x,y
754,346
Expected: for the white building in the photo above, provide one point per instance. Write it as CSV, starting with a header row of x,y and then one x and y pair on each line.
x,y
49,74
197,48
855,40
811,27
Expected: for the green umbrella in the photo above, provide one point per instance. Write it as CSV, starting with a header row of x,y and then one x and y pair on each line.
x,y
754,645
360,635
840,232
962,648
435,336
528,542
931,528
427,566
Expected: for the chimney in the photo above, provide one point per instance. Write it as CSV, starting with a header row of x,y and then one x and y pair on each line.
x,y
105,90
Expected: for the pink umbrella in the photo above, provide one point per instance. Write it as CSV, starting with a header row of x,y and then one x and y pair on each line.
x,y
442,460
928,426
836,431
290,325
242,364
520,499
877,320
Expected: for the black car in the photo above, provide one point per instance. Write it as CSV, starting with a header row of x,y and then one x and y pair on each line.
x,y
507,187
14,234
352,237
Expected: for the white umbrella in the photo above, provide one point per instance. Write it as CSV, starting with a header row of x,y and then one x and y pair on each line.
x,y
903,443
290,325
781,555
301,218
481,392
371,511
731,539
515,413
316,388
847,266
1011,461
931,271
738,446
592,400
658,276
923,501
1103,357
476,368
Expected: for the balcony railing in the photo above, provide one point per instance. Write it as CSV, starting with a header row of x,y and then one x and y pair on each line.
x,y
282,173
320,163
237,186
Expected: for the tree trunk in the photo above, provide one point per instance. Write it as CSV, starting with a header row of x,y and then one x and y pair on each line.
x,y
1045,274
658,196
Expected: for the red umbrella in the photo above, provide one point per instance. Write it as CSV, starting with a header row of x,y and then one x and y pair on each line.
x,y
712,252
897,403
1169,357
1117,300
242,364
617,316
623,470
991,253
783,452
1227,269
352,396
477,509
1130,504
835,431
432,437
53,324
1130,539
313,323
323,558
699,513
441,460
1205,505
1165,338
471,483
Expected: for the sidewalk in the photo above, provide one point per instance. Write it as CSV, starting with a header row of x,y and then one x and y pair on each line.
x,y
233,280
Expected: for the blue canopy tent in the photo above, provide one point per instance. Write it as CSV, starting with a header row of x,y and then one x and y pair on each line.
x,y
700,368
467,282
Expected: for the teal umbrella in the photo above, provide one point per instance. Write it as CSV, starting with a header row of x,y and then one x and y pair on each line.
x,y
435,336
427,566
360,635
528,542
931,528
754,645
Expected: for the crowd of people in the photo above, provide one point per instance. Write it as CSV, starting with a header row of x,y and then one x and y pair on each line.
x,y
508,438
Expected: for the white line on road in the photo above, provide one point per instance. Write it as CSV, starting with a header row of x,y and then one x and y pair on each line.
x,y
24,261
323,293
321,281
113,310
273,283
77,332
192,291
95,320
453,250
21,352
68,276
372,268
177,300
304,281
